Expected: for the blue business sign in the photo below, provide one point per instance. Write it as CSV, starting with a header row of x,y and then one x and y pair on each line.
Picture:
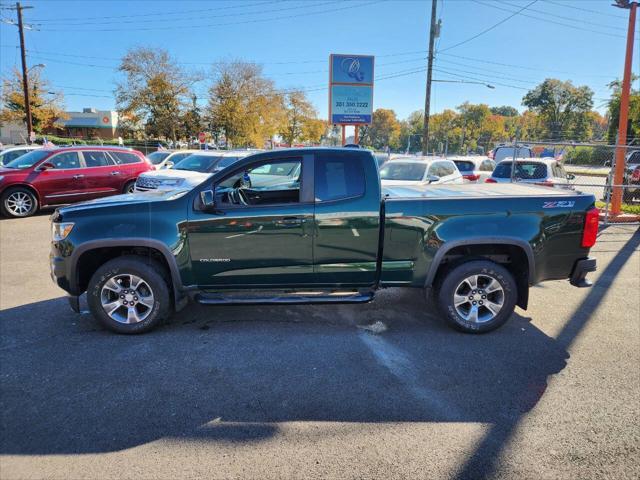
x,y
351,89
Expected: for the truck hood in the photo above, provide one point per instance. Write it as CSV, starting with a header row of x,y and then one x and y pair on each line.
x,y
126,199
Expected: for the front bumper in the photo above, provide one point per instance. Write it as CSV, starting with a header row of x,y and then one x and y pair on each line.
x,y
580,271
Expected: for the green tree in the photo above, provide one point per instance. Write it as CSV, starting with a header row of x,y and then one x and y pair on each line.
x,y
563,108
192,122
411,132
45,112
244,106
633,127
155,91
383,132
505,111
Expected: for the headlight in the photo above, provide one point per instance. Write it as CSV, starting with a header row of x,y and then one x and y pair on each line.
x,y
172,183
59,231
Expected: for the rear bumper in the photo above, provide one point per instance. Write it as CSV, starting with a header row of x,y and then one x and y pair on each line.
x,y
580,271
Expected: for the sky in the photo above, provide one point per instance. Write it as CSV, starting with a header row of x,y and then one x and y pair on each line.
x,y
81,42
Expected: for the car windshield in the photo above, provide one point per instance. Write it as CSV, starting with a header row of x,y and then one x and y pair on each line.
x,y
204,163
158,157
28,160
402,171
464,166
524,170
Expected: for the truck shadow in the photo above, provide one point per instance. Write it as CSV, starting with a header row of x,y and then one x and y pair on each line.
x,y
69,387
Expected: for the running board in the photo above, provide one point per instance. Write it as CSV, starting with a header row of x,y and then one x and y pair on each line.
x,y
284,299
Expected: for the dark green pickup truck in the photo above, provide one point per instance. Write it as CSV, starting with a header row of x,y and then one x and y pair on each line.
x,y
312,226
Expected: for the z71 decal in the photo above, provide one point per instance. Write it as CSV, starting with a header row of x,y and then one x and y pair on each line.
x,y
559,204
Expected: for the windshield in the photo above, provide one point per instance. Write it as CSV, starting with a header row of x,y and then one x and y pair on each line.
x,y
28,160
204,163
464,166
158,157
524,170
402,171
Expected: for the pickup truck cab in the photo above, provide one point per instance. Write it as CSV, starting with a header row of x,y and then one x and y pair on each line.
x,y
313,225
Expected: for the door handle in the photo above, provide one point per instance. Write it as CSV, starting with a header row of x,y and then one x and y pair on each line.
x,y
78,177
115,173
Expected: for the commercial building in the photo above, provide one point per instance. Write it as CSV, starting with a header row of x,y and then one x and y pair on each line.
x,y
91,123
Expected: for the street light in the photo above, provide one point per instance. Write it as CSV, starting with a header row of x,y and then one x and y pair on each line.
x,y
38,65
465,81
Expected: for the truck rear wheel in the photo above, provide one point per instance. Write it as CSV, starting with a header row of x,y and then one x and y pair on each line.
x,y
129,295
477,296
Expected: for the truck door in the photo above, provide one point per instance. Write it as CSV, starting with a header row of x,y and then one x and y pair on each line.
x,y
347,219
260,234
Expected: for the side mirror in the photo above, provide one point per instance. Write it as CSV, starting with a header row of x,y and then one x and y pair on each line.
x,y
432,178
207,199
571,176
46,166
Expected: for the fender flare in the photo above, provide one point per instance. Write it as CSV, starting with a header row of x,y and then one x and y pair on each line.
x,y
176,280
447,246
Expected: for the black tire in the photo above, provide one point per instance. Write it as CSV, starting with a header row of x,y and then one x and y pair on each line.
x,y
452,283
21,192
151,273
129,187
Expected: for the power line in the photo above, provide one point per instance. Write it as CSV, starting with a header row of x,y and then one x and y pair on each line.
x,y
582,9
165,13
550,21
563,17
198,17
242,22
488,29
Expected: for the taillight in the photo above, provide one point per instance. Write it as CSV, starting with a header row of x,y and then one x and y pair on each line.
x,y
490,180
472,178
590,231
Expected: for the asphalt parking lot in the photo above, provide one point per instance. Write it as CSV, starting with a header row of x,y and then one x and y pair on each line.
x,y
302,392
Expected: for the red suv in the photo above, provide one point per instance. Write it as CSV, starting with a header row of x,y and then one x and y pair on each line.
x,y
66,175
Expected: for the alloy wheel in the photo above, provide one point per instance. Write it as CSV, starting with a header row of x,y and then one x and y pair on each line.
x,y
19,203
127,298
479,298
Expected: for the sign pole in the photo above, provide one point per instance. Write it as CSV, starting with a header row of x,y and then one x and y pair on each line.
x,y
344,136
356,136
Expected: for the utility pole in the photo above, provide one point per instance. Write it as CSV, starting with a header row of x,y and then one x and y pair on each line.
x,y
427,100
618,177
25,80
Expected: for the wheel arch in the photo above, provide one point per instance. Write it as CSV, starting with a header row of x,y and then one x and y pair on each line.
x,y
95,253
26,186
517,249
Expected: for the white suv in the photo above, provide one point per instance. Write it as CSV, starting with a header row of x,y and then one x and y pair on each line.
x,y
190,171
539,171
419,171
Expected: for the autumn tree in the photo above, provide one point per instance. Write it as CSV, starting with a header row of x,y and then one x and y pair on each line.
x,y
411,132
46,108
244,106
505,111
192,122
563,108
383,132
300,120
155,91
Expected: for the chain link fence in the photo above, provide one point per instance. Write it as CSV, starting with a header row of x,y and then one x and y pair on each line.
x,y
583,167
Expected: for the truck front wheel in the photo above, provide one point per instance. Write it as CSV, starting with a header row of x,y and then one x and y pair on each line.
x,y
477,296
128,295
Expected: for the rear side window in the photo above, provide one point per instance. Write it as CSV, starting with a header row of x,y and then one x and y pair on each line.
x,y
487,166
122,158
65,160
464,166
338,176
97,159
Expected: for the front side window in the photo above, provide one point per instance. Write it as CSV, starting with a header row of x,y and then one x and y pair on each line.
x,y
66,160
28,160
96,159
273,183
403,171
338,176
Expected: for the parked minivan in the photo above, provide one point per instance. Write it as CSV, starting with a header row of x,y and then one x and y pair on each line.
x,y
55,176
